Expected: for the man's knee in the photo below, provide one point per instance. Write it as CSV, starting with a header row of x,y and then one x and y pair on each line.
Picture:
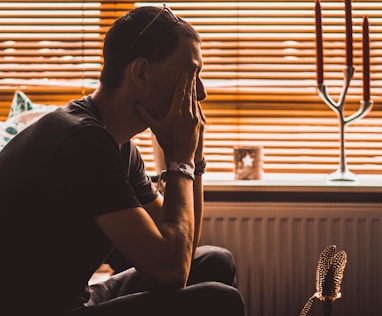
x,y
220,299
213,263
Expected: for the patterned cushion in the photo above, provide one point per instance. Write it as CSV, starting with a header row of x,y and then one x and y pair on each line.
x,y
22,113
21,103
7,131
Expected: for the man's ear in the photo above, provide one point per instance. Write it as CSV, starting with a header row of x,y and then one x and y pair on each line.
x,y
138,71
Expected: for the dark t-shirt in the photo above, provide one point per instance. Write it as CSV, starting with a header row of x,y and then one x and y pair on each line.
x,y
56,176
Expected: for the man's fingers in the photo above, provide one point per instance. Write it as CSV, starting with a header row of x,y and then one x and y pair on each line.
x,y
194,102
180,92
184,93
201,114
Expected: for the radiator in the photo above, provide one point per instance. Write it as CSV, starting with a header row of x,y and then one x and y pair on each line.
x,y
276,247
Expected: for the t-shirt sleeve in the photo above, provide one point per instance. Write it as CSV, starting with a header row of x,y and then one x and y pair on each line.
x,y
94,173
136,172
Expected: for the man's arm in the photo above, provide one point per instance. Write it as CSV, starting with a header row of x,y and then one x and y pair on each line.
x,y
198,210
154,208
160,251
198,182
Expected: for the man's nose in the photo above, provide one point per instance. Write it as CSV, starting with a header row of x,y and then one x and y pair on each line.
x,y
201,93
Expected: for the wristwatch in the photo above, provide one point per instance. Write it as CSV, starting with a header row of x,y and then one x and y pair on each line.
x,y
181,167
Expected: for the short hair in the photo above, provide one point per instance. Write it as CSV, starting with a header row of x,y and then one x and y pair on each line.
x,y
123,42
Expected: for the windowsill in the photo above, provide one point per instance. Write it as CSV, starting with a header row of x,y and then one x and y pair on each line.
x,y
295,180
292,187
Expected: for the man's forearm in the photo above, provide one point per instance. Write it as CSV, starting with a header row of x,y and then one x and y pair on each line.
x,y
198,209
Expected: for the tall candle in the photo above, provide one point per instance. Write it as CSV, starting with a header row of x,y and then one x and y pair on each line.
x,y
349,34
319,49
366,59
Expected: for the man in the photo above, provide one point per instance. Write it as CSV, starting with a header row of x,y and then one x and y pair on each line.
x,y
85,192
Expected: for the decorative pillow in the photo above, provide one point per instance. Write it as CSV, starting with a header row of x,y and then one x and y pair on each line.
x,y
21,103
7,131
22,113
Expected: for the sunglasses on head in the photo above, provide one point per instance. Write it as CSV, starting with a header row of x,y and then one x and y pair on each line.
x,y
164,9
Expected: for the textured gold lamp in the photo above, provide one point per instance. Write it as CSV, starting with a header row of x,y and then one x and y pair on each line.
x,y
329,274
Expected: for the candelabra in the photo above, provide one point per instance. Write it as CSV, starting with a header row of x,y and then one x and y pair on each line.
x,y
343,173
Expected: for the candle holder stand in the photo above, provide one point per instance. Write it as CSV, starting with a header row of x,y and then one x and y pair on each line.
x,y
343,173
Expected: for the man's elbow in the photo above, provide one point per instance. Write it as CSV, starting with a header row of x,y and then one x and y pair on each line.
x,y
170,278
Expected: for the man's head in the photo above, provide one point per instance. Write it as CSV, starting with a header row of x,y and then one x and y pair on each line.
x,y
148,32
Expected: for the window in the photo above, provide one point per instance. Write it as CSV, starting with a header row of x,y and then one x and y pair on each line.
x,y
259,71
45,44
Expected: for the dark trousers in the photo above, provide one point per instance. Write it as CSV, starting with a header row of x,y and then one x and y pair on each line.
x,y
211,290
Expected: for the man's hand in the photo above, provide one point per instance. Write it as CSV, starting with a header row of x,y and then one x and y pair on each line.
x,y
178,133
199,148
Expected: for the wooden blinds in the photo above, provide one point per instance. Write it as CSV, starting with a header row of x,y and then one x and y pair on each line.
x,y
259,72
52,43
